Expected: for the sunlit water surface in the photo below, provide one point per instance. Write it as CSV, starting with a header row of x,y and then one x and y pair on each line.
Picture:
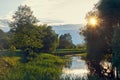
x,y
75,68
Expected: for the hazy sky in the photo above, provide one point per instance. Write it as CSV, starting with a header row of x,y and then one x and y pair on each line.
x,y
51,11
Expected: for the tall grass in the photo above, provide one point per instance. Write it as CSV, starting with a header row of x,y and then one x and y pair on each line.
x,y
43,67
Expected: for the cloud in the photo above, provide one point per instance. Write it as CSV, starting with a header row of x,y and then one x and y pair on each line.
x,y
57,11
71,27
51,21
4,24
67,11
9,15
4,20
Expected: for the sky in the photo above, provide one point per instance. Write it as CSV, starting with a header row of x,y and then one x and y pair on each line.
x,y
50,11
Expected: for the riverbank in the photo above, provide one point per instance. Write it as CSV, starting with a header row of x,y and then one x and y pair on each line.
x,y
75,67
63,52
44,67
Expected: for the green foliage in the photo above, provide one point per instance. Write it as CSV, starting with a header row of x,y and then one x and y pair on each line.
x,y
3,40
28,36
109,11
43,67
116,50
23,16
62,52
6,63
31,55
12,61
12,48
24,32
96,47
81,46
65,41
100,39
49,39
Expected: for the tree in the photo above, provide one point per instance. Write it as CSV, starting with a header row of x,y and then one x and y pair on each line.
x,y
25,34
65,41
49,39
95,40
3,40
23,28
100,39
22,17
116,50
95,49
109,12
30,37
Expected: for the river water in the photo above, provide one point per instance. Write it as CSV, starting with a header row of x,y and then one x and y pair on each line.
x,y
76,67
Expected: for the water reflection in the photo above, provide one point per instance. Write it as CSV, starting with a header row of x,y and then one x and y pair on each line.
x,y
75,68
102,69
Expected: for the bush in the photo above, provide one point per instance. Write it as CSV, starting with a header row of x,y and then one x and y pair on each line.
x,y
12,48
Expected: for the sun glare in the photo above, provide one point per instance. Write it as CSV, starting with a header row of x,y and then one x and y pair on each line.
x,y
93,21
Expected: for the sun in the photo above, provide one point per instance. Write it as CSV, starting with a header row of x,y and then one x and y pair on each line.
x,y
93,21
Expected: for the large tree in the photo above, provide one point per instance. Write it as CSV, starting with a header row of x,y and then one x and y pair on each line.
x,y
22,17
3,40
109,12
65,41
24,29
116,50
30,37
24,32
49,39
100,39
95,48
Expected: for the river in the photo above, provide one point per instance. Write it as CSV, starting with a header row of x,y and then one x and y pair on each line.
x,y
76,67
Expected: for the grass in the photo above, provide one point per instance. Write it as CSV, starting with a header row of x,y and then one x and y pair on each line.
x,y
43,67
12,60
63,52
9,53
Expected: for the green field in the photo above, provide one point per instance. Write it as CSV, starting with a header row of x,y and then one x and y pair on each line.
x,y
62,52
